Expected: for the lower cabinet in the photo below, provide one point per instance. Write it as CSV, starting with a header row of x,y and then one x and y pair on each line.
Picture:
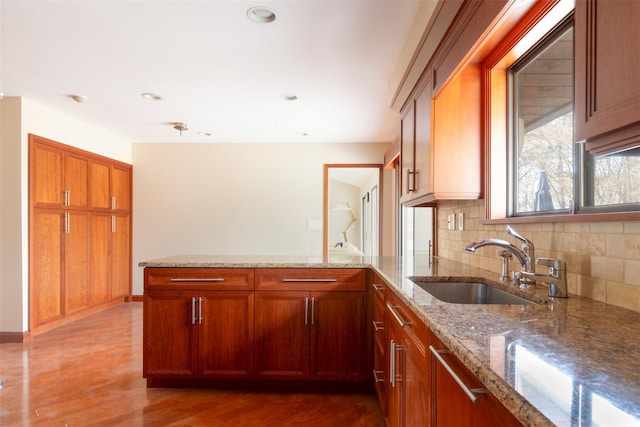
x,y
460,399
409,384
310,335
211,324
205,334
421,388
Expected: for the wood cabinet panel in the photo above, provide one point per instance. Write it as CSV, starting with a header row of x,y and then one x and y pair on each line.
x,y
76,262
338,336
170,335
45,267
309,279
226,335
607,63
121,188
120,259
408,152
282,335
46,175
100,264
100,185
454,407
76,181
190,278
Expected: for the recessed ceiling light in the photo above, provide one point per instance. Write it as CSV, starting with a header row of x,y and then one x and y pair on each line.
x,y
302,134
261,15
204,134
289,96
79,98
152,96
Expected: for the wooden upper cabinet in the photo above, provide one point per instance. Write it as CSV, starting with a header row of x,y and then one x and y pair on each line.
x,y
607,60
46,175
59,178
121,188
111,186
100,183
416,146
407,152
456,138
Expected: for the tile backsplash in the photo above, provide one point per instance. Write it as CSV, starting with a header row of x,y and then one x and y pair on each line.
x,y
603,258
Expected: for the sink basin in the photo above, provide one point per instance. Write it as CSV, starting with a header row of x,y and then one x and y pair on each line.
x,y
470,293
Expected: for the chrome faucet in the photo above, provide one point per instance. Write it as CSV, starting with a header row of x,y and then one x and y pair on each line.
x,y
556,279
524,255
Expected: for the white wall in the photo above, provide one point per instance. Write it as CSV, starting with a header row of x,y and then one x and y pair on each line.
x,y
18,118
235,199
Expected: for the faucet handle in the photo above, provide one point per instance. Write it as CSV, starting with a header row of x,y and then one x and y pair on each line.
x,y
514,233
555,265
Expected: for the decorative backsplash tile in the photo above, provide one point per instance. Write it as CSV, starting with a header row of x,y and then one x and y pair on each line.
x,y
603,258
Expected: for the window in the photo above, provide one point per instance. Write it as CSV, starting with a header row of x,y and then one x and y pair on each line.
x,y
542,148
534,166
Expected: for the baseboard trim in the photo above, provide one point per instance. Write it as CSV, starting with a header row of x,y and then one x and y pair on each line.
x,y
14,337
137,298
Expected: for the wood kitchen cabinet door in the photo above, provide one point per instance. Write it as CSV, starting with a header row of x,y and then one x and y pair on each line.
x,y
607,63
453,407
226,335
170,334
120,259
338,336
45,266
121,188
76,261
282,335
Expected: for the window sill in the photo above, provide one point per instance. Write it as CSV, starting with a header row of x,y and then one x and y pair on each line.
x,y
594,217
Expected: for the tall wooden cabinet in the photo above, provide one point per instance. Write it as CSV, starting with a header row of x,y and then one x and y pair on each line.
x,y
79,249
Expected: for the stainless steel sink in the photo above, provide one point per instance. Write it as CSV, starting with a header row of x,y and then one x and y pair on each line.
x,y
470,293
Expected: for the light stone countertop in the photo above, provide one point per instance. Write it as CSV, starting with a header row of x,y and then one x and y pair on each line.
x,y
563,361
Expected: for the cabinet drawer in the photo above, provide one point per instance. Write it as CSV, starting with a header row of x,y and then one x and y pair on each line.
x,y
311,279
414,329
189,278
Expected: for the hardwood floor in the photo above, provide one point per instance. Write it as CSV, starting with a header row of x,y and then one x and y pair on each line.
x,y
89,373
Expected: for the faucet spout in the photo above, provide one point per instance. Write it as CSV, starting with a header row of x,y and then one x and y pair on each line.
x,y
520,255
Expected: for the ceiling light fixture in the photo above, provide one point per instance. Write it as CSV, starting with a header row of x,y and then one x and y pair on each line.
x,y
289,96
261,15
204,133
79,98
181,127
152,96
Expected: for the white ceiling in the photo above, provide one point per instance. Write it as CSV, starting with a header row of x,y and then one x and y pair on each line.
x,y
217,71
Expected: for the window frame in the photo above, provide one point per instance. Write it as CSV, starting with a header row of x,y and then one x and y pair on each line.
x,y
536,24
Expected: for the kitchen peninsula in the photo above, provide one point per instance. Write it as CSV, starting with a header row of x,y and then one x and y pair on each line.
x,y
560,361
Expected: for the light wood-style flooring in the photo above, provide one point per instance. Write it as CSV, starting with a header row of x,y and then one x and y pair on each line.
x,y
89,373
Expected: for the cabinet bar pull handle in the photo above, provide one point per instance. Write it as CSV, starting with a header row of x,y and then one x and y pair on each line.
x,y
194,279
395,314
411,183
193,310
313,306
113,223
392,363
306,310
67,223
377,287
310,280
377,378
67,197
378,326
469,392
113,203
200,310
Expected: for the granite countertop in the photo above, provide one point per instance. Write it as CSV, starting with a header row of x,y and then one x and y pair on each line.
x,y
562,361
